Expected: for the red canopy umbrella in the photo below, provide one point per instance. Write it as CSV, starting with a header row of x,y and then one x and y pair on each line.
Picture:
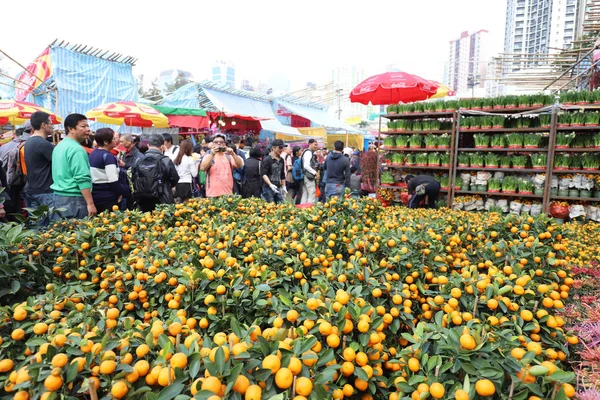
x,y
393,88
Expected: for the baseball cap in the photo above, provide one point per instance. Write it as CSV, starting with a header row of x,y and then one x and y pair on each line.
x,y
27,126
278,143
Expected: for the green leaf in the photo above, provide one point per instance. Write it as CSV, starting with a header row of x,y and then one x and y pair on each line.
x,y
194,365
72,371
361,374
220,360
416,379
307,345
561,377
325,357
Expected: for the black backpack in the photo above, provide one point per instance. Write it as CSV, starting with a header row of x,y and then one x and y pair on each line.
x,y
147,176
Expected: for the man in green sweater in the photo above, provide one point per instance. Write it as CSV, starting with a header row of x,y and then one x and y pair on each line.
x,y
71,171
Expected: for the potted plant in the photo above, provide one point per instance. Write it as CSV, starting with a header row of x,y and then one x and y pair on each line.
x,y
421,160
492,160
488,104
465,103
435,124
391,109
498,141
545,120
519,161
445,160
388,158
561,162
578,119
592,118
402,142
498,122
410,160
539,161
417,126
509,185
389,142
416,141
576,161
387,178
494,185
573,192
431,141
532,140
443,180
582,142
515,140
476,160
538,190
369,165
564,120
398,159
563,140
482,140
525,186
590,162
458,184
433,160
426,125
486,122
504,162
537,100
596,140
463,160
443,141
391,126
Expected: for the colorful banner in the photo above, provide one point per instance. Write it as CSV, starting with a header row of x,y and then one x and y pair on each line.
x,y
41,67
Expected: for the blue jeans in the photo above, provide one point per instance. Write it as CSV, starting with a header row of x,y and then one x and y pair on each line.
x,y
334,189
41,199
72,207
271,196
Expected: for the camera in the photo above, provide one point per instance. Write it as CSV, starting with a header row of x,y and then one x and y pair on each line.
x,y
221,149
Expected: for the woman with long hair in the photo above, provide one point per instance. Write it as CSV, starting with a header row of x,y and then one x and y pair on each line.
x,y
187,170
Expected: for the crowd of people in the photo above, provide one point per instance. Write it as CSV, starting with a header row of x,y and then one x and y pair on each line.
x,y
82,176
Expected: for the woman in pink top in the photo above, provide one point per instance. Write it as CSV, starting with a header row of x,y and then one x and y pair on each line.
x,y
219,165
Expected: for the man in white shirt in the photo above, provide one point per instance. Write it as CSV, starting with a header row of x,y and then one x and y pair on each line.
x,y
309,165
170,150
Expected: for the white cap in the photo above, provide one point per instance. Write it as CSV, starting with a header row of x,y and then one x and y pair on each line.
x,y
348,151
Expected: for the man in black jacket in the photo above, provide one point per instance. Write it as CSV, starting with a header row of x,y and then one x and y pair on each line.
x,y
154,176
338,171
132,153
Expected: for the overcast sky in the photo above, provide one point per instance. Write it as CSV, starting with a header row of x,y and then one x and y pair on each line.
x,y
303,39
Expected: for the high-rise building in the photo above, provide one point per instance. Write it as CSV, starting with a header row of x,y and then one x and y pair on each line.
x,y
467,63
169,77
224,73
541,26
246,85
345,78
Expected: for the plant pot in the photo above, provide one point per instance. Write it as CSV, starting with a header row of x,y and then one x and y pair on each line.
x,y
590,169
539,167
443,147
585,193
561,168
573,193
515,146
491,166
554,192
505,166
481,147
538,191
518,167
498,127
597,194
563,193
464,188
562,147
529,146
493,190
463,166
481,188
526,192
509,191
498,147
445,165
430,147
559,221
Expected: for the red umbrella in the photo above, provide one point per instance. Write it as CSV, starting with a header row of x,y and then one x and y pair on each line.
x,y
393,88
